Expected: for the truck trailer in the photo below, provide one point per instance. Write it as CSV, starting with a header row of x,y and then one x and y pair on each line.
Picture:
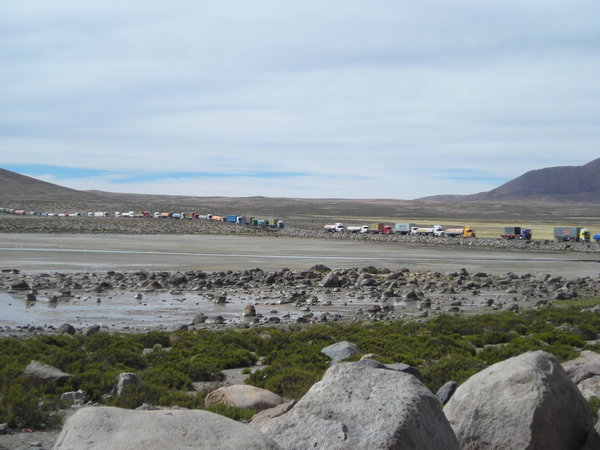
x,y
380,228
464,232
516,233
336,227
403,228
575,234
436,230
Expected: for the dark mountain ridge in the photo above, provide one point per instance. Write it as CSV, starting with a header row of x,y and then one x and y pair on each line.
x,y
561,184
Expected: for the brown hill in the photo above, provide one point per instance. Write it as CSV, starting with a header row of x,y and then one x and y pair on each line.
x,y
561,184
21,189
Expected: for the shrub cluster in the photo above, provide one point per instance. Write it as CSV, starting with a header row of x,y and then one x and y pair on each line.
x,y
442,348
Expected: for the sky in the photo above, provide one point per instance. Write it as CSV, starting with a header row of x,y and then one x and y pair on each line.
x,y
320,99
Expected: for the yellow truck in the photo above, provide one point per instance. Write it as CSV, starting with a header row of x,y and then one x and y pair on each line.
x,y
464,232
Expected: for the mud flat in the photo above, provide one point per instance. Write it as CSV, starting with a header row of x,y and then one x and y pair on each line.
x,y
93,252
136,301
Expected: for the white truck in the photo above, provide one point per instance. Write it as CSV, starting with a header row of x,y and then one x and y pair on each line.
x,y
337,227
358,229
435,230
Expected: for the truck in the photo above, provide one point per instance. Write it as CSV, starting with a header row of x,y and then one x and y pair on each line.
x,y
358,229
377,228
435,230
464,232
516,233
575,234
336,227
403,228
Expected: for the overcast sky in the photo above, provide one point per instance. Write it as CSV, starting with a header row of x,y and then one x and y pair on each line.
x,y
354,99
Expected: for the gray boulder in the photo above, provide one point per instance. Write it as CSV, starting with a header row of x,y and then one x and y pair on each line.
x,y
356,406
95,428
73,398
244,396
341,350
261,418
524,402
587,365
330,280
66,328
124,380
445,393
40,372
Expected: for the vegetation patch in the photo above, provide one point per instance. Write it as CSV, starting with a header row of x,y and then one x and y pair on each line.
x,y
443,348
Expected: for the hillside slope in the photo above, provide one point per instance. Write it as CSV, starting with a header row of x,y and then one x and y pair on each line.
x,y
560,184
17,188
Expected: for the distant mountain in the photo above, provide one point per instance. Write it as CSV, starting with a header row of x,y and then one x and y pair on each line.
x,y
21,188
552,184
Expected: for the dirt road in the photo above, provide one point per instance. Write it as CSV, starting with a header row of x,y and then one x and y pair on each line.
x,y
61,252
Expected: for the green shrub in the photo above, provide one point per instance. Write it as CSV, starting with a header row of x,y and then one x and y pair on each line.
x,y
231,411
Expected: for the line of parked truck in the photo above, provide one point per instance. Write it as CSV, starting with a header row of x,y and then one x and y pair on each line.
x,y
403,229
230,218
575,234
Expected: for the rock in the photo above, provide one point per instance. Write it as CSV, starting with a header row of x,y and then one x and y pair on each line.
x,y
124,380
249,311
96,428
3,428
20,286
244,396
359,407
66,328
446,392
585,366
590,387
527,401
262,417
199,318
31,297
330,280
401,367
92,329
216,320
41,372
73,398
341,350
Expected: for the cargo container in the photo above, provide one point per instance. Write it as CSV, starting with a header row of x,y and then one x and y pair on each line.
x,y
516,233
403,228
377,228
232,218
575,234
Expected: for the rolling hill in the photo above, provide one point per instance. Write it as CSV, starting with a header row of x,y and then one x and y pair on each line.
x,y
562,184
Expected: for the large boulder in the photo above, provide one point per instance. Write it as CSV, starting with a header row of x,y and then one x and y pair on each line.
x,y
357,406
584,371
524,402
43,373
244,396
585,366
341,350
96,428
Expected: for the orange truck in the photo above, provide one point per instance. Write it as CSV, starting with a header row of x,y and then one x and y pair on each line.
x,y
464,232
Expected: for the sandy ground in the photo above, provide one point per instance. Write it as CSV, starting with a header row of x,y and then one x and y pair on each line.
x,y
89,252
